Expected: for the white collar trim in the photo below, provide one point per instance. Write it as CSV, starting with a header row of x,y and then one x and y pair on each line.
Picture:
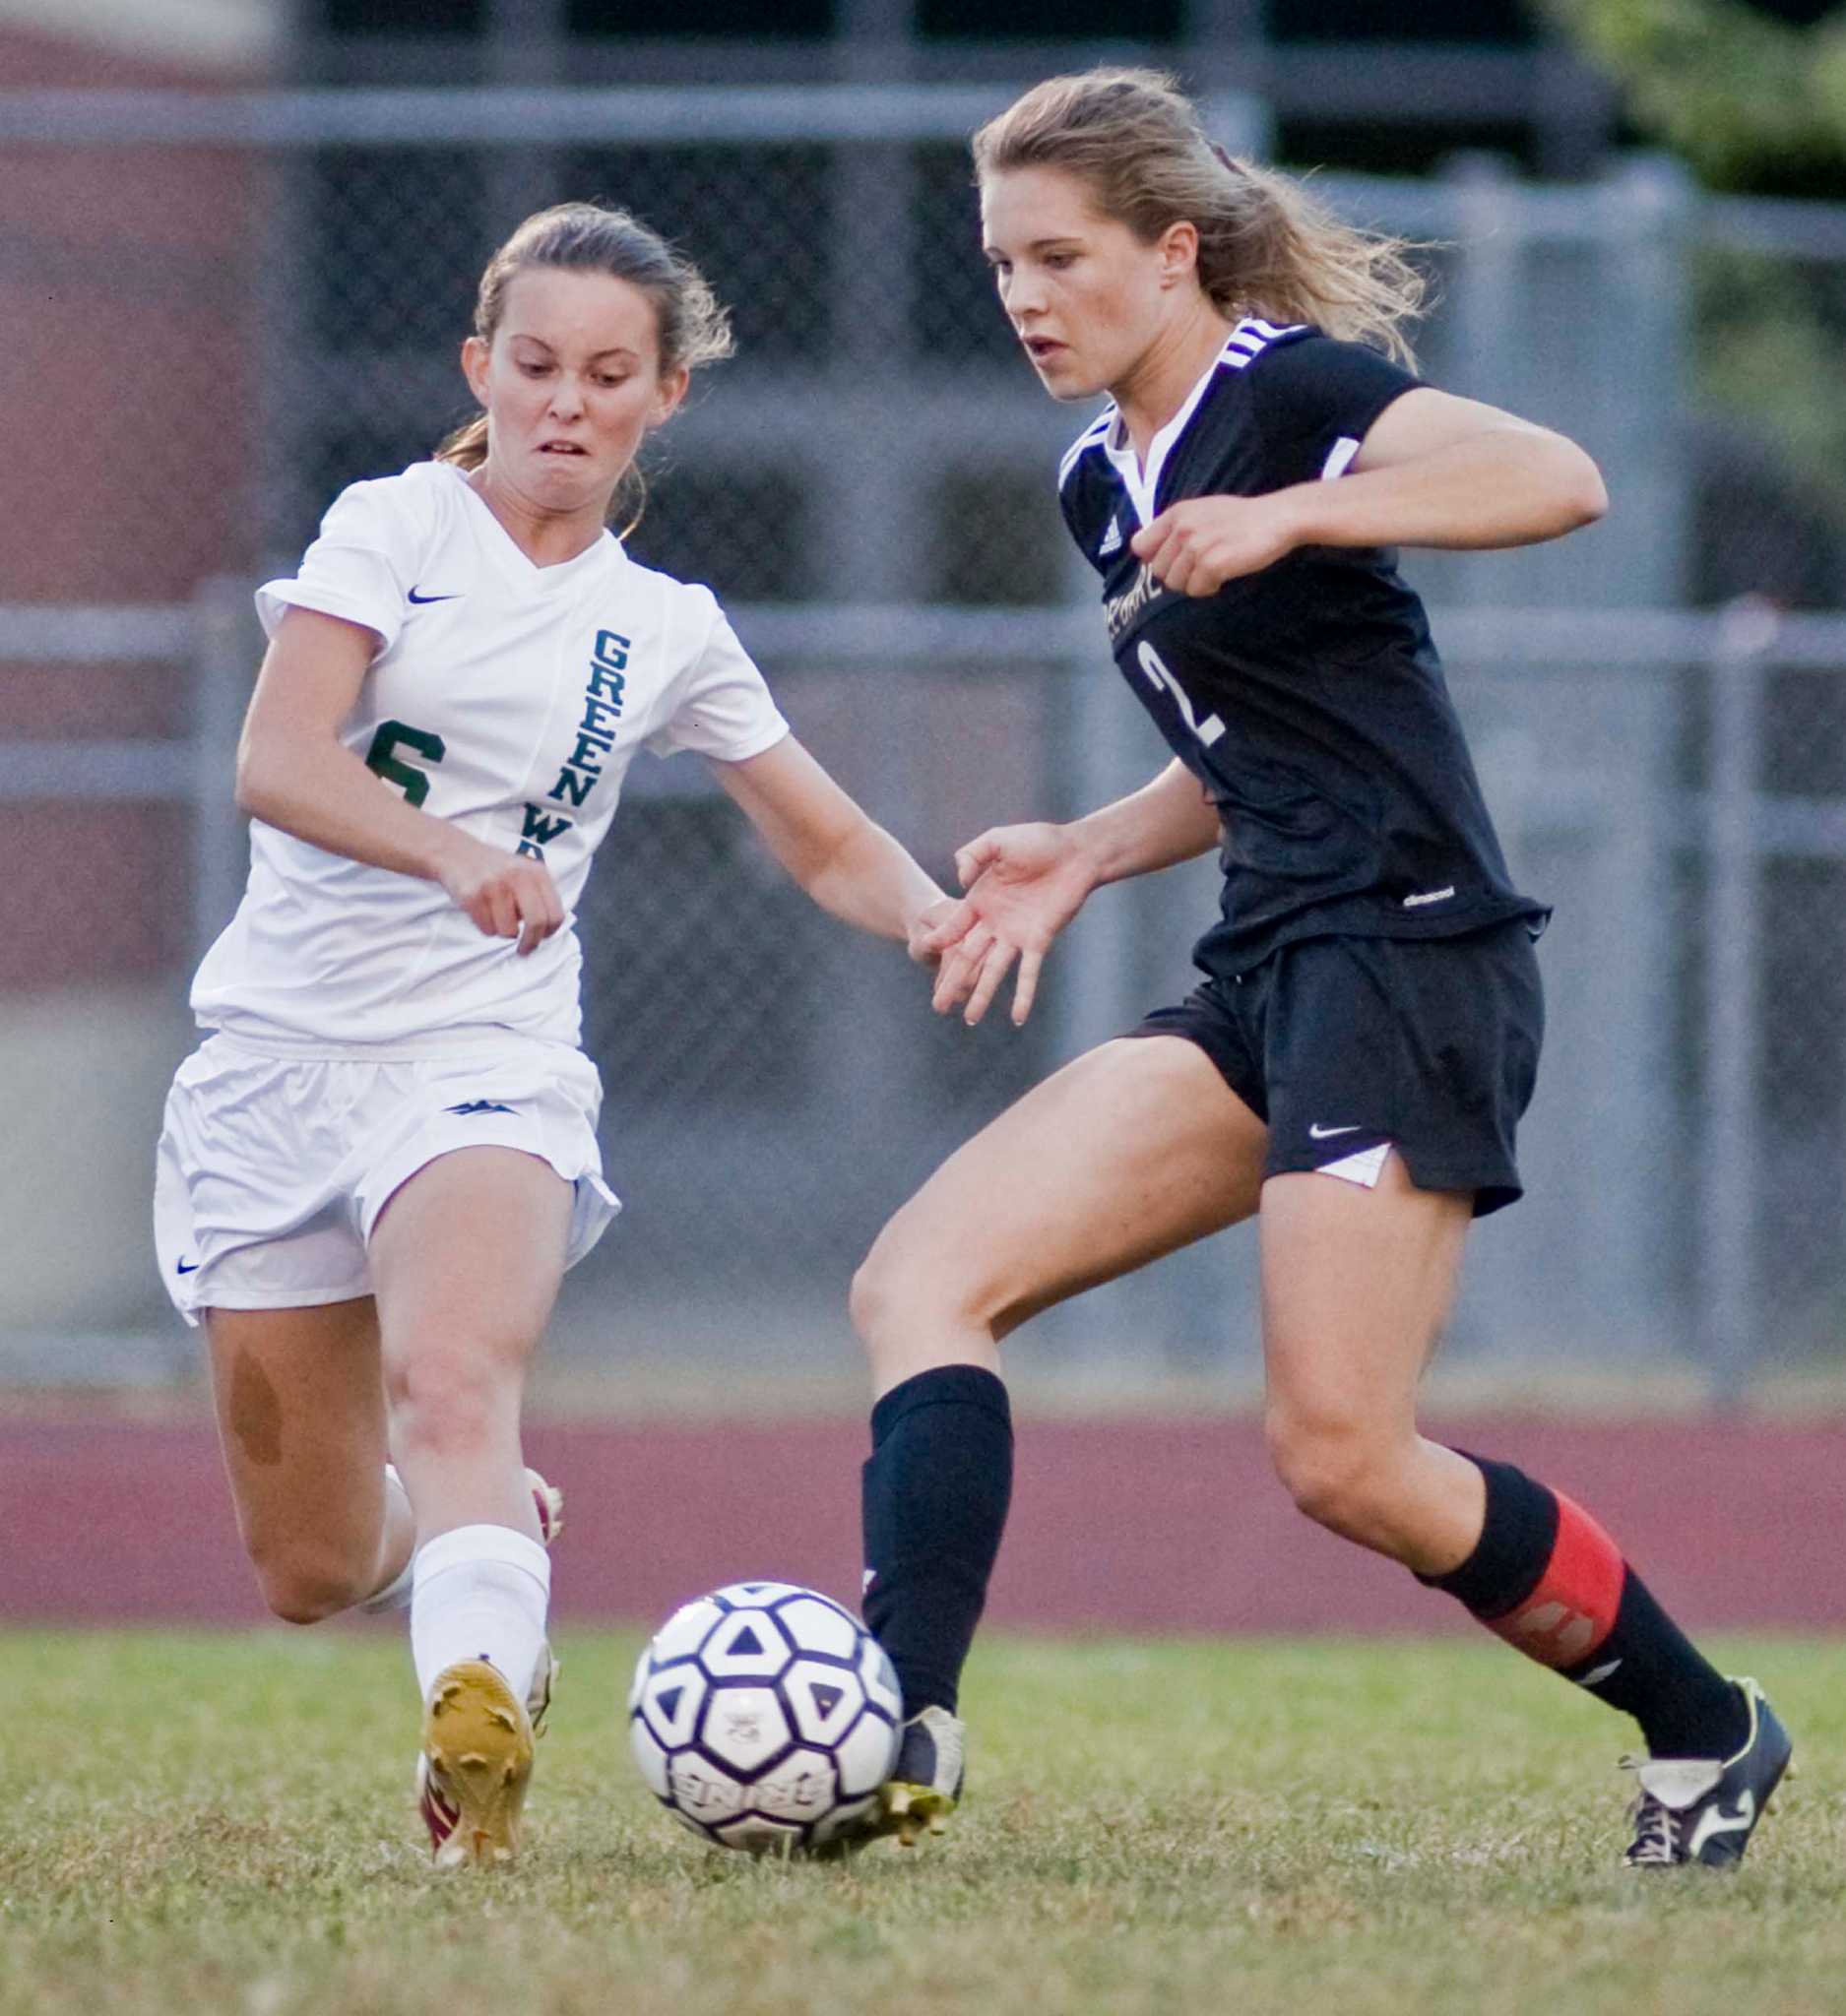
x,y
1142,484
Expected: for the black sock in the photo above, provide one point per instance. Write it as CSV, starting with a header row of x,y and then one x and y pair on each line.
x,y
1547,1578
1648,1667
934,1498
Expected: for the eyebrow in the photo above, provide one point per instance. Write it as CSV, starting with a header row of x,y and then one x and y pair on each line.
x,y
614,350
993,252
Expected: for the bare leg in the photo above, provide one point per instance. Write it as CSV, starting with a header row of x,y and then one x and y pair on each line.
x,y
1357,1284
1134,1150
301,1417
467,1259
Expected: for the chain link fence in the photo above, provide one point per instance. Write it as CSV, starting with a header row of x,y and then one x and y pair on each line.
x,y
228,307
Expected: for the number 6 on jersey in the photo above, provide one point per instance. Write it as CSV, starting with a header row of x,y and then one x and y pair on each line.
x,y
380,757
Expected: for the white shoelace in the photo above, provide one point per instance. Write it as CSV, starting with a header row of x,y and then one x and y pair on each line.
x,y
1657,1829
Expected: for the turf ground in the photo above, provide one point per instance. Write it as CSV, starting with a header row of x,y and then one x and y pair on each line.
x,y
222,1822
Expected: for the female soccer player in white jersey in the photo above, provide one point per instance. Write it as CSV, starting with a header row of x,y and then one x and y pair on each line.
x,y
376,1169
1355,1064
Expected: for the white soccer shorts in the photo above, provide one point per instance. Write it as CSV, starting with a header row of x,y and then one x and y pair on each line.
x,y
272,1172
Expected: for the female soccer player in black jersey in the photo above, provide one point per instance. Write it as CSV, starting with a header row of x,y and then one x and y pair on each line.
x,y
1353,1068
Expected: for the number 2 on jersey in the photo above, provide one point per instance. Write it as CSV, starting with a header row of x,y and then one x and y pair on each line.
x,y
381,759
1155,667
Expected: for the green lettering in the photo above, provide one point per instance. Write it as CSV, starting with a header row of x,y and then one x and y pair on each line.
x,y
381,759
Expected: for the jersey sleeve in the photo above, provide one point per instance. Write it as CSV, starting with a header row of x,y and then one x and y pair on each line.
x,y
1072,501
1083,494
1315,400
722,708
361,567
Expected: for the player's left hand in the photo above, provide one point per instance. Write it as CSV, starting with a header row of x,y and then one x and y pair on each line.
x,y
1196,546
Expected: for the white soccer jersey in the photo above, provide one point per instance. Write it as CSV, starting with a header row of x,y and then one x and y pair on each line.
x,y
506,697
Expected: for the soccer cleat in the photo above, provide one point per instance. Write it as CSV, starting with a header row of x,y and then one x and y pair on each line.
x,y
926,1782
551,1503
475,1765
1704,1810
538,1694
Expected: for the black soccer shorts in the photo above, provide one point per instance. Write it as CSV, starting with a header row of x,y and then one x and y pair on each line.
x,y
1347,1047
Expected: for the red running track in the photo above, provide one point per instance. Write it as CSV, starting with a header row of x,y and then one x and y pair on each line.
x,y
1120,1526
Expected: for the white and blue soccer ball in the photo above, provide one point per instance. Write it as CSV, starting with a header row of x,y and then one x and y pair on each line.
x,y
764,1716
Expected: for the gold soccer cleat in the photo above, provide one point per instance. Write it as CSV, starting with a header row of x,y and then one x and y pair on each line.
x,y
475,1765
926,1782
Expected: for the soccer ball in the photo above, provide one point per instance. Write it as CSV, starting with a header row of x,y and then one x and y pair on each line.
x,y
764,1717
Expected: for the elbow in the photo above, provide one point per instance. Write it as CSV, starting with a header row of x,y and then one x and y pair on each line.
x,y
254,785
1589,495
1581,497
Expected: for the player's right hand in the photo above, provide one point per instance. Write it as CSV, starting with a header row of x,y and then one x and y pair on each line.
x,y
1024,884
508,896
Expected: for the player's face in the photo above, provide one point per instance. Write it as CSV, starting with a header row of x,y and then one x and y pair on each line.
x,y
571,383
1084,294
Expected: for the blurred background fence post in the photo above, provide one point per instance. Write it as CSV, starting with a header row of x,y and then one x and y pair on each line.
x,y
1730,1160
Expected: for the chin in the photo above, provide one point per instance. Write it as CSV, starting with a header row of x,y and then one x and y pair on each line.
x,y
570,481
1066,383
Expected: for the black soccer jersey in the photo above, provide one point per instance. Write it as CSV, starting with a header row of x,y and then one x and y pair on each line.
x,y
1307,698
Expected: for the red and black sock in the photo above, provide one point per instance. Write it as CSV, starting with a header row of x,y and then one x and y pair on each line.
x,y
935,1497
1549,1580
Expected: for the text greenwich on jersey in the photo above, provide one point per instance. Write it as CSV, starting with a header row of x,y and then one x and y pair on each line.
x,y
1121,611
603,700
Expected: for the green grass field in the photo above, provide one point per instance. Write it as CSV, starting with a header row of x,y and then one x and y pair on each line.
x,y
207,1823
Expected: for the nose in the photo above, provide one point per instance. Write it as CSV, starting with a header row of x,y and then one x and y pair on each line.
x,y
1022,298
566,396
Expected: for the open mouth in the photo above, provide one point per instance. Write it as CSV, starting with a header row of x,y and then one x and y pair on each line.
x,y
1039,347
561,448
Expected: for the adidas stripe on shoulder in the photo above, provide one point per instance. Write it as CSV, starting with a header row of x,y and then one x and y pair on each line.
x,y
1092,436
1253,336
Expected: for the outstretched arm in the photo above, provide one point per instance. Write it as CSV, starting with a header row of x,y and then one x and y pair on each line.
x,y
1025,883
1432,471
851,867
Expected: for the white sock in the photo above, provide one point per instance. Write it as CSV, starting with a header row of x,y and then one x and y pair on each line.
x,y
480,1592
396,1594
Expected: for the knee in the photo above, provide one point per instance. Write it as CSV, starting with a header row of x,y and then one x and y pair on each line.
x,y
448,1405
876,1294
1339,1473
303,1582
905,1297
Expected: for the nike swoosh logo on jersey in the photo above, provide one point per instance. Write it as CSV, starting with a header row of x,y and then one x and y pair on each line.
x,y
187,1267
415,598
1320,1133
1718,1821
